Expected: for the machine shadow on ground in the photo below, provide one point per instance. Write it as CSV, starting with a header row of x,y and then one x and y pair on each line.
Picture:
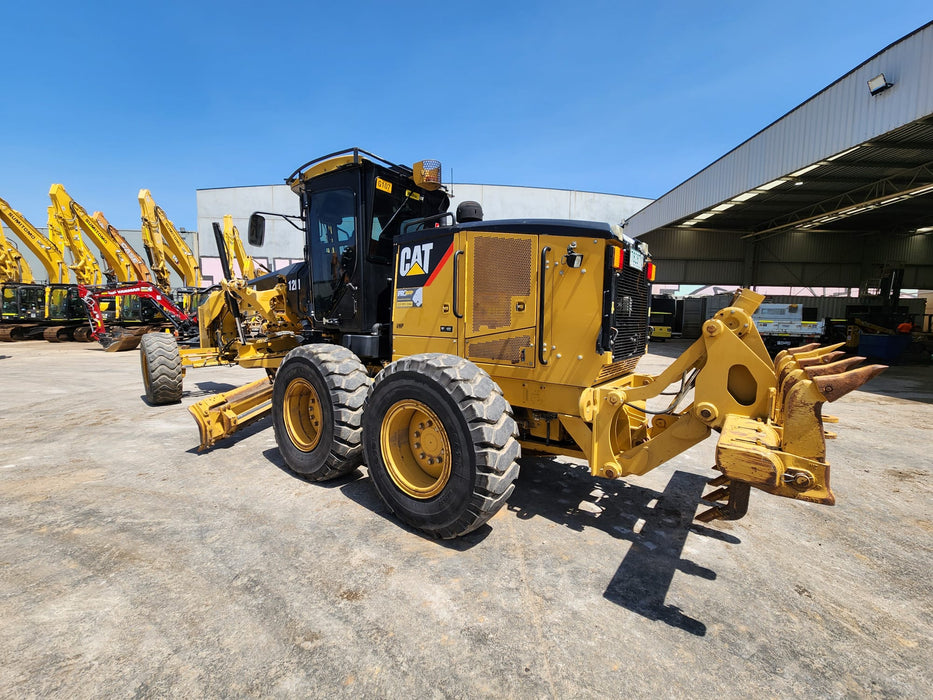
x,y
656,523
358,488
209,389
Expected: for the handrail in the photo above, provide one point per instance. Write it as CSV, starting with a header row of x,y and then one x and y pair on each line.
x,y
544,251
457,255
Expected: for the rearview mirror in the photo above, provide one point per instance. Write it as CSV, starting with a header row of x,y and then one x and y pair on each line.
x,y
257,230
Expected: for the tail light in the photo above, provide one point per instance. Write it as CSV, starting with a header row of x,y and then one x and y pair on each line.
x,y
618,257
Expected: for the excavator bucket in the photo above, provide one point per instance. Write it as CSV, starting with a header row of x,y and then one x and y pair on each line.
x,y
785,454
222,415
119,339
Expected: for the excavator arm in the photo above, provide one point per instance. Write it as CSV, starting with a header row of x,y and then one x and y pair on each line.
x,y
50,255
140,271
13,266
74,215
66,237
249,268
165,244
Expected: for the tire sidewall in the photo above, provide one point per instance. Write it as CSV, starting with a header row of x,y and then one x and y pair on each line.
x,y
316,460
448,506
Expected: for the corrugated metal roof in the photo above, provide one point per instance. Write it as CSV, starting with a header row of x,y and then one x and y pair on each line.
x,y
838,118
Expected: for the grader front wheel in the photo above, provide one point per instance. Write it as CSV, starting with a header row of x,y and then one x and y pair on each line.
x,y
440,443
161,366
317,404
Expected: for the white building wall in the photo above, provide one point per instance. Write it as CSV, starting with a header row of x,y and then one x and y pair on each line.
x,y
508,202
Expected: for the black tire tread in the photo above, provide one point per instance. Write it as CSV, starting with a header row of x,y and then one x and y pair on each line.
x,y
348,382
492,429
164,383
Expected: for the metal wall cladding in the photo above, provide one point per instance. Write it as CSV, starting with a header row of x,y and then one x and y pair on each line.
x,y
823,259
841,116
813,247
695,245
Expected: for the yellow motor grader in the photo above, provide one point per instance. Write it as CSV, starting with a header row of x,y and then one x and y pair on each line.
x,y
437,349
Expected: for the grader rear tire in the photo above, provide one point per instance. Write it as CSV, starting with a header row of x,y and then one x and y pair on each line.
x,y
440,443
317,405
161,367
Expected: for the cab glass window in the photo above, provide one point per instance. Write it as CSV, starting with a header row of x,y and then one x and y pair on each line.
x,y
332,222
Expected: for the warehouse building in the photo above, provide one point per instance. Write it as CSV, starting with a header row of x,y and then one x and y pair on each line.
x,y
836,193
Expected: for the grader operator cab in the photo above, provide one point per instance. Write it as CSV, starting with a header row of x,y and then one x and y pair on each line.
x,y
437,351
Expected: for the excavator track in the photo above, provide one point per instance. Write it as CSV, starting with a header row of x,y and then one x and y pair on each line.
x,y
56,334
12,334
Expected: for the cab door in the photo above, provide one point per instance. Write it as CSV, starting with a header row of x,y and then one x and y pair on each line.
x,y
333,217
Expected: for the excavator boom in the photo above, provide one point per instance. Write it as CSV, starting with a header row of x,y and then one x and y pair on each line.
x,y
165,244
75,216
50,255
249,268
140,270
66,237
13,266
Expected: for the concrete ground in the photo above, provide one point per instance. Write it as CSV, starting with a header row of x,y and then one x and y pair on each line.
x,y
133,566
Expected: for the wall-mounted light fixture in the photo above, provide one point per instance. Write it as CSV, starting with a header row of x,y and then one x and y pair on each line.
x,y
878,84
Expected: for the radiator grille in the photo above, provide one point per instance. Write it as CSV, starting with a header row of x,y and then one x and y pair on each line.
x,y
501,270
617,369
629,321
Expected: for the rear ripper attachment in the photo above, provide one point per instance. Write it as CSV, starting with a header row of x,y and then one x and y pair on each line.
x,y
768,414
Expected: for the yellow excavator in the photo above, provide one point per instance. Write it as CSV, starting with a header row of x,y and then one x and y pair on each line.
x,y
130,316
439,348
52,310
13,266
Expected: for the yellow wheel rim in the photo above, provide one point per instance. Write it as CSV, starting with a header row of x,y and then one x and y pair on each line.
x,y
416,449
303,416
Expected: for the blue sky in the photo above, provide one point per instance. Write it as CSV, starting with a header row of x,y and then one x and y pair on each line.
x,y
620,97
